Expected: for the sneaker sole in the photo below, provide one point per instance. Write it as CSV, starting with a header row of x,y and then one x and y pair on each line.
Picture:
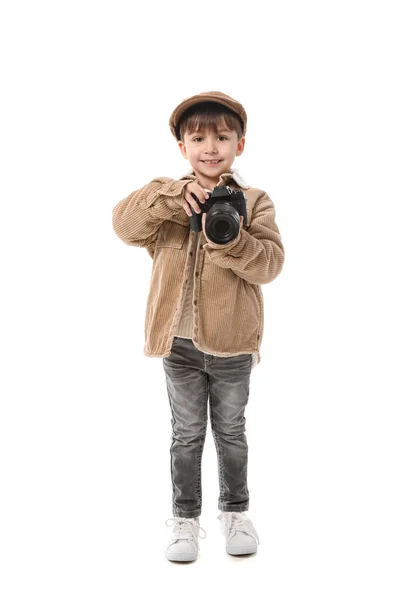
x,y
241,550
180,557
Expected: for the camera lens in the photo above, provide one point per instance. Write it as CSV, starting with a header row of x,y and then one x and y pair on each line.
x,y
223,223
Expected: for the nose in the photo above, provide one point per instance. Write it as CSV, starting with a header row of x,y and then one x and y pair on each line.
x,y
211,146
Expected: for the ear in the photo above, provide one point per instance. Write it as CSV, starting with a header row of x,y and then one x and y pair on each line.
x,y
182,148
240,146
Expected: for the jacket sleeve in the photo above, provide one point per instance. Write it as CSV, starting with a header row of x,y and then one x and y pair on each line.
x,y
137,218
256,254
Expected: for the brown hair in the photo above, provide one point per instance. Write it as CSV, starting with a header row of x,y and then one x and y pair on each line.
x,y
208,115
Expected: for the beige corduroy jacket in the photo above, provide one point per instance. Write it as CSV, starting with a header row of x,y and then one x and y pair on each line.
x,y
208,292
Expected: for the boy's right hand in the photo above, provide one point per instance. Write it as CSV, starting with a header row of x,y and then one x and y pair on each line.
x,y
201,193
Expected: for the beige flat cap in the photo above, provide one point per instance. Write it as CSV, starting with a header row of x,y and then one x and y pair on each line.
x,y
218,97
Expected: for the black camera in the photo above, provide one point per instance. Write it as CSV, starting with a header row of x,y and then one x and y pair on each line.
x,y
224,208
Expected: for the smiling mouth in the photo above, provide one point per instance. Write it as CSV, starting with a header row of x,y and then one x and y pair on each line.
x,y
212,162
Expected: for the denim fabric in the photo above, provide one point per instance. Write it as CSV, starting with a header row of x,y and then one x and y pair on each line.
x,y
191,377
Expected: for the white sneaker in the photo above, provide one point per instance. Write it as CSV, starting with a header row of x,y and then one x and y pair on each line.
x,y
241,537
184,544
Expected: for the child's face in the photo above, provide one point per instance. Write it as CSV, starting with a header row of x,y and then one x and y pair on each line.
x,y
202,147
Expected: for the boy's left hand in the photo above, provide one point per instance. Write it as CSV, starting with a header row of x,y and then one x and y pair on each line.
x,y
203,224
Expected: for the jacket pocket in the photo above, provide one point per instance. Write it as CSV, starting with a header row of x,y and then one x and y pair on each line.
x,y
171,235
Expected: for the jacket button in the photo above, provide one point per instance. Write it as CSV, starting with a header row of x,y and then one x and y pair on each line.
x,y
191,253
197,274
195,302
201,246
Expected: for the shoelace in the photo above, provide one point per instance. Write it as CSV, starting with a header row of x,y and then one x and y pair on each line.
x,y
237,521
188,529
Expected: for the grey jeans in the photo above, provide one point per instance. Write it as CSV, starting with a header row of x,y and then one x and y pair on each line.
x,y
191,376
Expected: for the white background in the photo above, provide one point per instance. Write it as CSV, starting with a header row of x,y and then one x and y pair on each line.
x,y
87,90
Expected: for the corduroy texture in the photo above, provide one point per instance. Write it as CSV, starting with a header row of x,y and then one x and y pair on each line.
x,y
222,282
218,97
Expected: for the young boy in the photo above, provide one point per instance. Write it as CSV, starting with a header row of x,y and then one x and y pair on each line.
x,y
204,313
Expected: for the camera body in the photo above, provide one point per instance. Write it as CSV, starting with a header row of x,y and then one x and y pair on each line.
x,y
224,208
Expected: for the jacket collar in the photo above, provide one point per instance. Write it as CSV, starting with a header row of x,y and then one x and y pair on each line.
x,y
232,175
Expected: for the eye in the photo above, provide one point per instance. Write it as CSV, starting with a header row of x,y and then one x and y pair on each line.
x,y
222,137
197,138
